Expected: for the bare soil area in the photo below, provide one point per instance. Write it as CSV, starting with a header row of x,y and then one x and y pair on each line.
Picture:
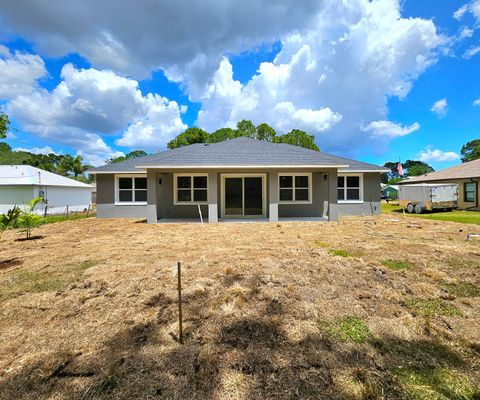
x,y
364,308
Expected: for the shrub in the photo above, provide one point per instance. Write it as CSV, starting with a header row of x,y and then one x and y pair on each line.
x,y
28,220
9,219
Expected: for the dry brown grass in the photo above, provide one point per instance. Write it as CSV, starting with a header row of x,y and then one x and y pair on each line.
x,y
254,295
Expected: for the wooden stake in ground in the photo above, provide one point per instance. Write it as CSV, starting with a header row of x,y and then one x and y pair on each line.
x,y
180,328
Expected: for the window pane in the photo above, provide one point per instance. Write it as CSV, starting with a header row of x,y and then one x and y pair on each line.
x,y
286,194
353,194
184,182
200,182
469,192
140,195
140,183
340,194
301,194
125,195
184,195
353,181
341,181
286,181
125,183
200,195
301,181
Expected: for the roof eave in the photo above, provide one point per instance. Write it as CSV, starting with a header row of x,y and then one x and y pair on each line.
x,y
133,171
239,166
382,171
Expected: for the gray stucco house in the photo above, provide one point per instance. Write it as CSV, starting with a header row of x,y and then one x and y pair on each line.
x,y
238,179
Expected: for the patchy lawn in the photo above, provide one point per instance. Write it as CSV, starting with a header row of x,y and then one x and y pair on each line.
x,y
365,308
461,216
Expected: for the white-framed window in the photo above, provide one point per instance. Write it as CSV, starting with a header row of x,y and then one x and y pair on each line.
x,y
190,189
295,188
469,189
350,188
130,189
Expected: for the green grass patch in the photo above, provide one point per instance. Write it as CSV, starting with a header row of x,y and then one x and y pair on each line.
x,y
386,208
396,264
437,384
461,216
340,253
319,243
348,329
432,307
51,219
464,289
47,280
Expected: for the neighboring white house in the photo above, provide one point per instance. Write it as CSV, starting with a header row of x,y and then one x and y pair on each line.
x,y
21,183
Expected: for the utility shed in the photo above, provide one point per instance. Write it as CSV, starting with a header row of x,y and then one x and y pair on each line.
x,y
21,183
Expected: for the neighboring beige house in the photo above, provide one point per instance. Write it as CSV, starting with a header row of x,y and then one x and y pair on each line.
x,y
466,176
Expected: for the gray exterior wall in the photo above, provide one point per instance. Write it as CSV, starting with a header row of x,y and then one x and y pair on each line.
x,y
371,199
161,197
106,207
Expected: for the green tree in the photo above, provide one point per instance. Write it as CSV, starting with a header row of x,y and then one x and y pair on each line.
x,y
470,151
265,132
128,156
4,124
222,134
246,128
417,168
299,138
189,136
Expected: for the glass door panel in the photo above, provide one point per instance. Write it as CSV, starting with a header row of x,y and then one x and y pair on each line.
x,y
233,196
253,193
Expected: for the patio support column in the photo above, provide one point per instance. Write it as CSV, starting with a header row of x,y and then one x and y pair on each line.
x,y
273,196
332,195
151,197
212,197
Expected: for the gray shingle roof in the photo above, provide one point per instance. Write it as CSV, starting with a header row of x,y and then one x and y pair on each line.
x,y
240,151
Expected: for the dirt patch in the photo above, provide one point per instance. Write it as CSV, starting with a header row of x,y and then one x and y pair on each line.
x,y
270,311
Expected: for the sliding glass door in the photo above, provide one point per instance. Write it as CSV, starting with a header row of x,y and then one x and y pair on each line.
x,y
243,196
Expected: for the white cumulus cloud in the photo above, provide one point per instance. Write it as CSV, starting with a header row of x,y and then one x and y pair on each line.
x,y
389,129
440,107
476,102
19,72
331,79
88,104
429,155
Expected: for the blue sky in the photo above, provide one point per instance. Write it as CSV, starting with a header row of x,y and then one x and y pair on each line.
x,y
365,87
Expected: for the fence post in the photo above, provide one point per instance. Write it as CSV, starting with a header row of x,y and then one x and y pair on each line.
x,y
88,210
45,211
180,328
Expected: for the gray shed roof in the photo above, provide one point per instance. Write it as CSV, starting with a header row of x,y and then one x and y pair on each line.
x,y
238,152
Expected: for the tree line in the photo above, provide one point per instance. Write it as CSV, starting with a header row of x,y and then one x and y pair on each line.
x,y
245,128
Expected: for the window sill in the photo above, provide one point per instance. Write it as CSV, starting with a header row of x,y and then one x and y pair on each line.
x,y
295,202
349,201
190,203
130,203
